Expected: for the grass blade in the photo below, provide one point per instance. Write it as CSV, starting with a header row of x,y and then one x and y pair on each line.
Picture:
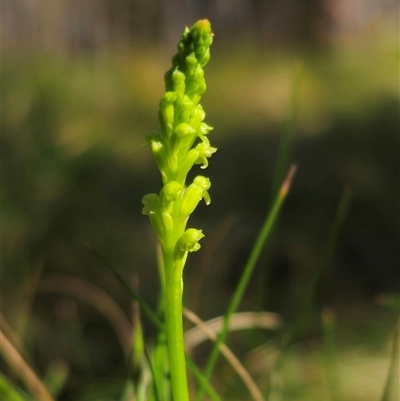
x,y
154,383
282,162
394,363
328,248
56,377
96,298
197,280
328,318
211,334
281,167
8,391
248,270
23,370
239,321
203,381
152,316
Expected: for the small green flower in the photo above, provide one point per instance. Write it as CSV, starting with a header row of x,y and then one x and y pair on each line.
x,y
152,209
188,242
193,195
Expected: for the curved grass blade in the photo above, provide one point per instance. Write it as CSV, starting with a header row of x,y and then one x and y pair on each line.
x,y
237,366
23,370
146,309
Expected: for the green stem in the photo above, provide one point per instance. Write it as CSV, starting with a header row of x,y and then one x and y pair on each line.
x,y
175,342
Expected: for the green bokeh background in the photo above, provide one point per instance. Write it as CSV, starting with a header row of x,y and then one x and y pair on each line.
x,y
75,168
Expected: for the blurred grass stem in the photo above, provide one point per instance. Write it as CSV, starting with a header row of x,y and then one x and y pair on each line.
x,y
328,319
394,365
228,354
134,295
282,162
95,297
248,270
23,370
322,264
281,167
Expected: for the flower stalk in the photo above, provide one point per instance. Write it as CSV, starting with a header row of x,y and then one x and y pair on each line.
x,y
182,143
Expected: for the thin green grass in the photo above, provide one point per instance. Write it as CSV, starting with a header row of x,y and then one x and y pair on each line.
x,y
296,329
9,392
146,309
322,265
393,371
329,334
56,377
155,392
281,167
203,380
247,272
286,141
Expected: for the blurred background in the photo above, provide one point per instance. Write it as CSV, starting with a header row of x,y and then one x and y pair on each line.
x,y
81,82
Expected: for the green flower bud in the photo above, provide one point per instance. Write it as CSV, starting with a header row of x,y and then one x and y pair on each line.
x,y
152,209
187,163
184,129
191,62
154,139
167,220
188,242
197,85
198,115
170,192
193,49
173,163
193,195
178,79
202,33
167,110
186,109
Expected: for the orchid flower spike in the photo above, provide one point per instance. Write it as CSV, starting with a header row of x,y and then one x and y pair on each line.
x,y
183,141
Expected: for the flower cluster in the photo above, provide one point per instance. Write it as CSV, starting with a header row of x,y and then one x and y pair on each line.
x,y
182,143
